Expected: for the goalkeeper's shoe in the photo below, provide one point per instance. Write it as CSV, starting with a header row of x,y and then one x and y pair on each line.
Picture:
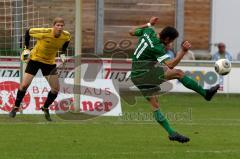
x,y
178,137
210,92
13,112
46,113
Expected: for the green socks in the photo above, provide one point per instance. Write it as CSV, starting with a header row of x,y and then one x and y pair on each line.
x,y
193,85
163,121
189,83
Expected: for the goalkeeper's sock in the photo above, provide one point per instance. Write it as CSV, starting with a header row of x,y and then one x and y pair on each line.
x,y
193,85
163,121
50,99
19,98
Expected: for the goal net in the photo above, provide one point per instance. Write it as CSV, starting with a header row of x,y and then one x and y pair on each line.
x,y
15,17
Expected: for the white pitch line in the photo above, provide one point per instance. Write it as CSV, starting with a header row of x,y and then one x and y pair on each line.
x,y
114,123
219,119
212,151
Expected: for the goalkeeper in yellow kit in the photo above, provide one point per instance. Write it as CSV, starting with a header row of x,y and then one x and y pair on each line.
x,y
42,56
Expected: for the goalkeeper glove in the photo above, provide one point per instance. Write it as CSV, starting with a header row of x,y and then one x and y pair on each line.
x,y
25,55
63,58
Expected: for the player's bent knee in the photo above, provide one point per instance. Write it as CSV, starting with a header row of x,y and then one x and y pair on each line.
x,y
174,74
179,73
55,90
154,104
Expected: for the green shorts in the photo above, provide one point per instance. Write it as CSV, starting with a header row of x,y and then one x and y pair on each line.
x,y
149,82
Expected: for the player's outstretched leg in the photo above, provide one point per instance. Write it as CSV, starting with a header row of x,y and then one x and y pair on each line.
x,y
27,79
191,84
19,98
173,135
50,99
159,117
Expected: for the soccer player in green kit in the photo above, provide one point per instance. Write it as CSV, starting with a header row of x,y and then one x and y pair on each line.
x,y
151,66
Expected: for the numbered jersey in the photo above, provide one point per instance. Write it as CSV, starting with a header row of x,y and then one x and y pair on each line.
x,y
148,52
47,45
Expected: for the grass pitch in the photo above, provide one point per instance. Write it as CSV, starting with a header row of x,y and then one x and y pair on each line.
x,y
212,126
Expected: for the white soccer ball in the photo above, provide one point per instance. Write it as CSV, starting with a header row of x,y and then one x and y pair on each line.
x,y
223,66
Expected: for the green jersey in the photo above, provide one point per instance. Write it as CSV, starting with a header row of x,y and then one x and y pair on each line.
x,y
148,52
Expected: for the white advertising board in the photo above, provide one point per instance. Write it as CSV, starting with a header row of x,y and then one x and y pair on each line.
x,y
98,97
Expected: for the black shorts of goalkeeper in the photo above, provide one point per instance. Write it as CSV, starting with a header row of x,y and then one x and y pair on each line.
x,y
47,69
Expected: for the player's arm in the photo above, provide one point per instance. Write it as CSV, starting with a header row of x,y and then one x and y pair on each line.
x,y
27,39
26,52
136,31
171,63
64,50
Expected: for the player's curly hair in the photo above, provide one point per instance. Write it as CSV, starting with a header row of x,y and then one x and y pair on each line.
x,y
168,32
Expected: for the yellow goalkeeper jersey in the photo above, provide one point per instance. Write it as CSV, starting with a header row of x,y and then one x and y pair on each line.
x,y
47,46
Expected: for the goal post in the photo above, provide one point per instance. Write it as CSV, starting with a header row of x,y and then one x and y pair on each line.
x,y
78,50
